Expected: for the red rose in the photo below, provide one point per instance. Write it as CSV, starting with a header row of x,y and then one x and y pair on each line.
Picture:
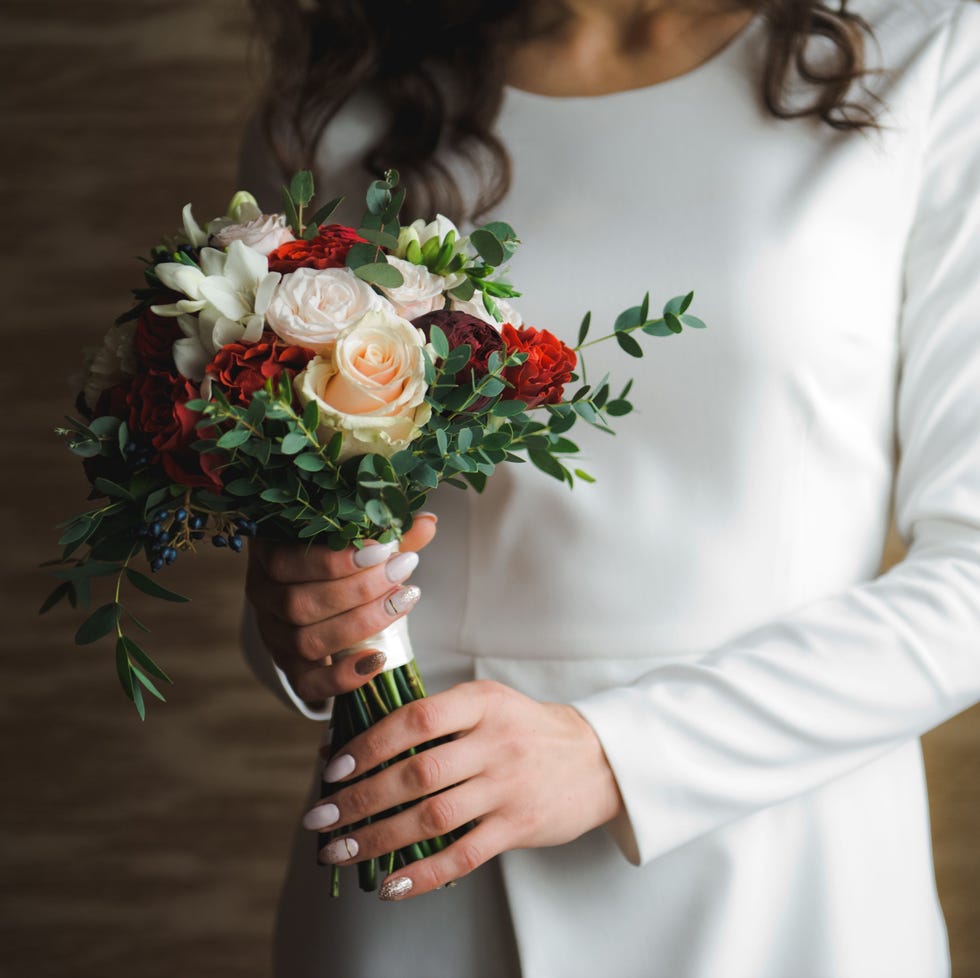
x,y
114,402
462,328
542,377
243,368
154,340
158,411
327,250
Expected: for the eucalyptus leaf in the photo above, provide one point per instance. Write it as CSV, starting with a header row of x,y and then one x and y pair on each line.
x,y
102,621
583,330
487,246
629,345
618,408
380,273
123,670
301,188
310,462
148,683
673,323
547,463
234,438
323,214
440,345
693,322
294,442
112,489
289,209
63,590
143,583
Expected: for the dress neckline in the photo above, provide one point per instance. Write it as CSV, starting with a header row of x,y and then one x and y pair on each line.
x,y
721,58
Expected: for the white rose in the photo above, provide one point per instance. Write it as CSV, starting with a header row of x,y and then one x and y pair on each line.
x,y
263,234
113,363
370,385
313,306
421,291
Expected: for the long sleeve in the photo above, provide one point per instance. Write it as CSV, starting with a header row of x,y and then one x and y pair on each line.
x,y
810,696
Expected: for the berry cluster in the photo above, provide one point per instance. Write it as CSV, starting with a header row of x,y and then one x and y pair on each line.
x,y
233,536
169,532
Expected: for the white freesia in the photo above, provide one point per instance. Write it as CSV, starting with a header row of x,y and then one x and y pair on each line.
x,y
475,306
313,306
370,386
419,232
227,298
263,234
420,291
113,363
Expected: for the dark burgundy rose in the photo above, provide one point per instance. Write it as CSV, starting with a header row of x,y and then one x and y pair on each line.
x,y
154,340
462,328
158,411
243,368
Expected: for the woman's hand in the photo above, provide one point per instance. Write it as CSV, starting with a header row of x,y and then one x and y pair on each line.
x,y
530,773
311,602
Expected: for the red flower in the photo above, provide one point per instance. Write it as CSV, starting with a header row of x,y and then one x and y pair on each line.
x,y
542,377
327,250
158,411
154,340
462,328
243,368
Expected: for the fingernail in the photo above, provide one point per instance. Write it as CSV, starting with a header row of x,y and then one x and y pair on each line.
x,y
402,600
424,514
321,817
395,889
400,566
373,554
339,768
339,851
370,663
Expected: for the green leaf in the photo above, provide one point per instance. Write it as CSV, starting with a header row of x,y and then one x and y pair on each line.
x,y
492,386
693,322
583,330
135,652
311,416
585,411
378,197
122,436
323,214
618,407
85,447
380,273
464,440
105,427
123,670
657,328
242,487
148,683
289,208
77,531
112,489
277,496
686,303
294,442
628,319
61,591
255,414
310,462
234,438
547,463
442,441
629,345
102,621
143,583
584,476
673,323
378,238
440,344
645,308
508,409
488,247
138,701
464,291
301,187
377,512
334,446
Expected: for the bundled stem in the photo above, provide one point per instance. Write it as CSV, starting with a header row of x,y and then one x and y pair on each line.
x,y
353,714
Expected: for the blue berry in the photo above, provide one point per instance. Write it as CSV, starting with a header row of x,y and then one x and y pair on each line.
x,y
236,543
155,530
164,537
163,515
170,555
219,540
180,515
197,535
157,564
197,522
130,448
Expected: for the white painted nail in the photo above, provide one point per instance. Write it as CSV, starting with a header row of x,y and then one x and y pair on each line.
x,y
394,888
339,768
426,515
374,554
321,817
402,600
339,851
400,566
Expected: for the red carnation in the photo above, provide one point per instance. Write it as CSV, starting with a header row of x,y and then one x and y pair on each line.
x,y
542,377
158,412
327,250
154,340
243,368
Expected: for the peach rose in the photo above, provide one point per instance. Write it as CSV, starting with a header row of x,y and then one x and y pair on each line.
x,y
370,385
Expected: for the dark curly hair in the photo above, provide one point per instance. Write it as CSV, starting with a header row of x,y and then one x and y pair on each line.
x,y
436,68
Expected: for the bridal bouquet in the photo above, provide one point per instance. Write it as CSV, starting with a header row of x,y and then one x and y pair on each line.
x,y
291,379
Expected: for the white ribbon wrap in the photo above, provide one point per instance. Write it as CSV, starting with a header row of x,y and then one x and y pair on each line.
x,y
393,641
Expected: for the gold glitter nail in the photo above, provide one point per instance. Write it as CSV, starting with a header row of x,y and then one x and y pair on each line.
x,y
395,888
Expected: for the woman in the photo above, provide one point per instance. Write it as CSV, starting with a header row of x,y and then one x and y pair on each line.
x,y
693,738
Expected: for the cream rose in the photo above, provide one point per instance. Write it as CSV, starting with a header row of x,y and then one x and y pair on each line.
x,y
113,363
421,291
370,385
313,306
262,234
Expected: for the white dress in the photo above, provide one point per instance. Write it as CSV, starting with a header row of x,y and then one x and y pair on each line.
x,y
710,605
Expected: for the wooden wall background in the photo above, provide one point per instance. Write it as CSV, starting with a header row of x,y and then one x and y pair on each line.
x,y
155,850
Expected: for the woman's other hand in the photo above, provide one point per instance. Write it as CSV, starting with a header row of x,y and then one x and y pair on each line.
x,y
312,602
529,773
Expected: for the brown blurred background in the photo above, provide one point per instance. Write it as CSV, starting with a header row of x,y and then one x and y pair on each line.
x,y
156,850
